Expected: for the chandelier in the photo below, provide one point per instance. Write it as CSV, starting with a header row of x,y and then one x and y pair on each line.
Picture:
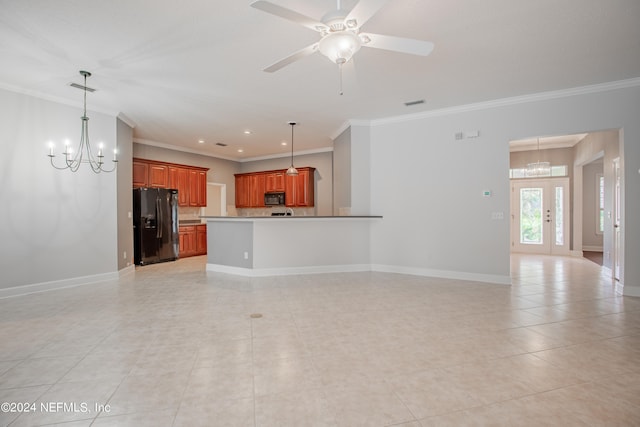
x,y
292,171
73,160
539,168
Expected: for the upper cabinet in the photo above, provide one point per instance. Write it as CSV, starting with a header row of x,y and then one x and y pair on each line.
x,y
274,181
140,173
190,181
299,190
158,176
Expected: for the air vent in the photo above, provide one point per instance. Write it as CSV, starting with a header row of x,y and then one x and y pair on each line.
x,y
77,86
221,144
410,103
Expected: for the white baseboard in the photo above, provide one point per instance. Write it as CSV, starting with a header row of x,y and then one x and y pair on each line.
x,y
287,271
627,291
445,274
264,272
57,284
577,254
592,248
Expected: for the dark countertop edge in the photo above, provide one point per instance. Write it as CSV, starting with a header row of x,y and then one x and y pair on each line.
x,y
295,217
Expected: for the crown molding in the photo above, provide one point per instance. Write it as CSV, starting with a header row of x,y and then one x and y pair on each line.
x,y
286,155
181,149
56,99
502,102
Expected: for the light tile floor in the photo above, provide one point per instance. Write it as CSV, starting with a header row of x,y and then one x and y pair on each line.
x,y
173,345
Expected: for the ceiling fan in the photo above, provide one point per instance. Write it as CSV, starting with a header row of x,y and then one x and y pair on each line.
x,y
340,33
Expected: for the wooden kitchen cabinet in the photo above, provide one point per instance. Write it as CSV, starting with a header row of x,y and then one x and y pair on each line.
x,y
187,239
274,181
256,190
190,181
158,176
299,190
198,188
179,179
140,174
193,240
201,239
243,194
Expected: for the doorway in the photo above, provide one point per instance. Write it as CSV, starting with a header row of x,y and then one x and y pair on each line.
x,y
617,223
540,216
216,199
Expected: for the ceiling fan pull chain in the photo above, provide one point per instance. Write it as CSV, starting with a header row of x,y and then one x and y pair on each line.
x,y
340,72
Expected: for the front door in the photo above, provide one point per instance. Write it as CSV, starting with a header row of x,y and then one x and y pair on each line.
x,y
540,216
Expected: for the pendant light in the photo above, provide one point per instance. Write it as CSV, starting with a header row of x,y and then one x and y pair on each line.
x,y
539,168
292,171
84,153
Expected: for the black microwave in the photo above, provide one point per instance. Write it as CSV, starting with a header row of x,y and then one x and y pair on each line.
x,y
274,199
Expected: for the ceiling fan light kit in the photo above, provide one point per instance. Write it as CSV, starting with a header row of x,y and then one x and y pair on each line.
x,y
340,34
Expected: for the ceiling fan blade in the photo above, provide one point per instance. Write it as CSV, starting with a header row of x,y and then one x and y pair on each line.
x,y
292,58
288,14
398,44
364,10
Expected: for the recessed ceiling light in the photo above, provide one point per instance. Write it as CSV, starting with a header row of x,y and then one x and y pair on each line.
x,y
283,143
201,141
247,132
240,150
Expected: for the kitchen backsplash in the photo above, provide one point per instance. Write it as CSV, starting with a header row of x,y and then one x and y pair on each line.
x,y
275,209
189,213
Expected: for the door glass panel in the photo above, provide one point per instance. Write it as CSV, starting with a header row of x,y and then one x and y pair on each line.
x,y
559,228
531,216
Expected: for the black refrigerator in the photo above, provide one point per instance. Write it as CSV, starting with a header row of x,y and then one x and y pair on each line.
x,y
155,225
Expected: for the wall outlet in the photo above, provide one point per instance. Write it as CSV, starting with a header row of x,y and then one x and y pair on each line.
x,y
124,255
246,255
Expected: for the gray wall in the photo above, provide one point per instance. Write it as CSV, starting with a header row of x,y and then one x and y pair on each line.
x,y
125,200
342,173
429,186
56,225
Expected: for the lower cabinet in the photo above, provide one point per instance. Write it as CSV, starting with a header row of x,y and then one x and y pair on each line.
x,y
193,240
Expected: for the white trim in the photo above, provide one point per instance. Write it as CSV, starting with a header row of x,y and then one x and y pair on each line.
x,y
127,271
126,120
577,254
286,155
343,127
181,149
628,291
350,268
233,159
57,284
445,274
502,102
56,99
592,248
287,271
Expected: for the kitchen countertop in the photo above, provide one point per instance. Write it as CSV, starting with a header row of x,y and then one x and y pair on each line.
x,y
280,217
184,222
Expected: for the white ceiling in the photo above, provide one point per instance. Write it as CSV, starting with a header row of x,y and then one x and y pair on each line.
x,y
190,70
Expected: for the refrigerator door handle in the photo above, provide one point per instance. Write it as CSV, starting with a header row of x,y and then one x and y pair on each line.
x,y
159,219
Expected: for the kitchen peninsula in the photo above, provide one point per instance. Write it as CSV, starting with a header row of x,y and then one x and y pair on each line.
x,y
272,246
